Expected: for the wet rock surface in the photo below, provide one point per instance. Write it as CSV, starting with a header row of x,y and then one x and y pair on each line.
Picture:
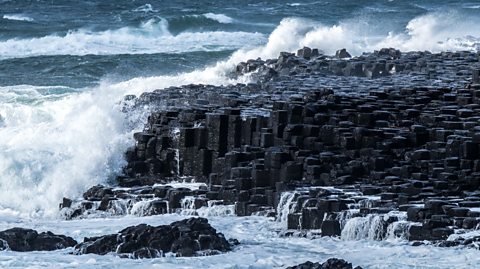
x,y
371,147
185,238
20,239
332,263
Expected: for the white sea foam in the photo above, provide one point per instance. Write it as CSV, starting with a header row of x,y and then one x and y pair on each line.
x,y
151,37
260,248
56,148
17,17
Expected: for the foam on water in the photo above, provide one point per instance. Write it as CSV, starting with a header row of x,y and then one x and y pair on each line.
x,y
28,94
152,36
260,248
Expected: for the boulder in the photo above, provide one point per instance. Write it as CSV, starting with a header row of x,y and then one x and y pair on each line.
x,y
186,238
343,53
332,263
20,239
305,52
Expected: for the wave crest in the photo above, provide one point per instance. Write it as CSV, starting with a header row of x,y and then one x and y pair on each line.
x,y
221,18
153,36
145,8
17,17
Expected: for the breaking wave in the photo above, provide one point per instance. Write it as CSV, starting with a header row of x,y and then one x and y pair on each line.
x,y
435,32
152,36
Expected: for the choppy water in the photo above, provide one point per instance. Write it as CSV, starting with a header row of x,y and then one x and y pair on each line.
x,y
65,66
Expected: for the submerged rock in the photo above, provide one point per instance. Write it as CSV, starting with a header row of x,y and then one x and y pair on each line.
x,y
20,239
185,238
332,263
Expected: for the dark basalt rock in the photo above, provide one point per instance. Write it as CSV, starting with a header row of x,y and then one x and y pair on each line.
x,y
398,126
343,53
331,263
185,238
475,77
20,239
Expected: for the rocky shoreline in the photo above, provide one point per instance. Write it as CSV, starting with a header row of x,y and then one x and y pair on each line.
x,y
186,238
400,155
384,145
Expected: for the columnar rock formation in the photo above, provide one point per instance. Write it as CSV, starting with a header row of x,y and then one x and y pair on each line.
x,y
367,138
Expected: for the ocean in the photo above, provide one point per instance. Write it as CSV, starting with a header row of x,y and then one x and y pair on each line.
x,y
65,67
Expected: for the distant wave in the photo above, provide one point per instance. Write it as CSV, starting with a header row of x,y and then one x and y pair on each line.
x,y
145,8
152,36
17,17
221,18
473,7
296,4
191,22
